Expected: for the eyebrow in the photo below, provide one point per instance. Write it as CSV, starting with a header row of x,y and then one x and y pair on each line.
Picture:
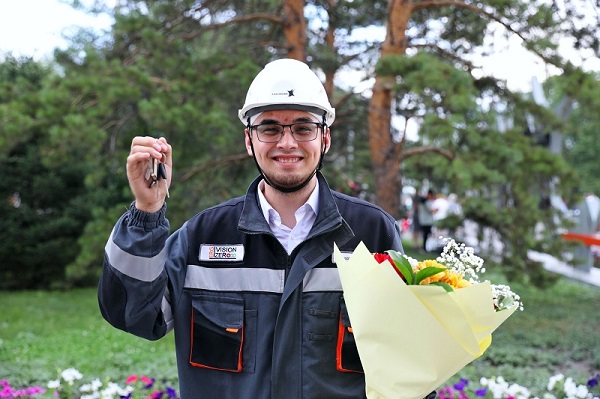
x,y
297,120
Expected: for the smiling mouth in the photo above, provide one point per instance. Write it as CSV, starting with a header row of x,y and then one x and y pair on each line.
x,y
288,160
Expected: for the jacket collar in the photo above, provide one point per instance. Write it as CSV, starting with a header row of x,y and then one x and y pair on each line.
x,y
253,221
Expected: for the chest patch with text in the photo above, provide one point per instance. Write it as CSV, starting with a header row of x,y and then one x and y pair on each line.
x,y
231,253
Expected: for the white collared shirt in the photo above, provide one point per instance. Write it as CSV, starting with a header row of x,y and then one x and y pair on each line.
x,y
305,218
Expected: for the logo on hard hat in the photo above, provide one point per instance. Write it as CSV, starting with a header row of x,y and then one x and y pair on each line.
x,y
289,93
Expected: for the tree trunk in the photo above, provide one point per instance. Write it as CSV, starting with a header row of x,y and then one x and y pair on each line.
x,y
330,44
385,154
294,28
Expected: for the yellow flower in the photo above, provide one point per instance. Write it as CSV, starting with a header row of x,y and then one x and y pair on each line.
x,y
452,278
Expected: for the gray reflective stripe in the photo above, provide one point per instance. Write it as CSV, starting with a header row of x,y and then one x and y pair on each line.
x,y
257,280
234,279
138,267
322,279
167,311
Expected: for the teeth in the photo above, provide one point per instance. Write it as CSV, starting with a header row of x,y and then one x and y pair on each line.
x,y
288,160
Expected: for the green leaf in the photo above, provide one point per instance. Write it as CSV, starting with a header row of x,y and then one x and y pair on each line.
x,y
427,272
445,286
403,266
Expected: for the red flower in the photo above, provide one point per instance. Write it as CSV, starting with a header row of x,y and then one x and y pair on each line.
x,y
382,257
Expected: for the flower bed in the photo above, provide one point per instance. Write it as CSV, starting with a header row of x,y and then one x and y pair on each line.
x,y
558,387
70,385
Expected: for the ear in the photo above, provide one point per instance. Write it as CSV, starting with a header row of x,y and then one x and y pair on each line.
x,y
327,139
247,140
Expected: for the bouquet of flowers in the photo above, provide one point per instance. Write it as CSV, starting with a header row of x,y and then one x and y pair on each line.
x,y
416,324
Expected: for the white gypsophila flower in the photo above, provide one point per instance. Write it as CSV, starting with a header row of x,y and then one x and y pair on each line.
x,y
412,261
461,259
548,395
93,395
70,375
54,384
504,297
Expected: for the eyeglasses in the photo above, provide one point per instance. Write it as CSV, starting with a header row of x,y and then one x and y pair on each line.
x,y
273,132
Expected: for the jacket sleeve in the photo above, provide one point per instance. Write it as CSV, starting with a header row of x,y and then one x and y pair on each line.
x,y
133,292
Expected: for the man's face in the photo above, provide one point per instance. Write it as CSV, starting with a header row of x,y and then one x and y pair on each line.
x,y
287,163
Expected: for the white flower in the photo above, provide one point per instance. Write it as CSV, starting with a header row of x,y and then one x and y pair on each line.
x,y
413,262
461,259
54,384
553,380
91,387
504,297
113,391
573,390
518,391
70,375
500,389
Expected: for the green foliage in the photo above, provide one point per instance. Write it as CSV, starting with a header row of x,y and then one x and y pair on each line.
x,y
501,175
43,206
43,216
582,146
180,70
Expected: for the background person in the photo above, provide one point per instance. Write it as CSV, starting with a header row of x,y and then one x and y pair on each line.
x,y
249,286
426,212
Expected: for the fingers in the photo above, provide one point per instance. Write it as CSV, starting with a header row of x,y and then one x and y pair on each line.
x,y
149,198
149,145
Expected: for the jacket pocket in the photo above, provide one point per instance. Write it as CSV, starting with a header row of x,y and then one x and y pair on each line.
x,y
219,334
347,359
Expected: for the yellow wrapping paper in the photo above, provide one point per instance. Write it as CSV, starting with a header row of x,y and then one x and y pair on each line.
x,y
411,339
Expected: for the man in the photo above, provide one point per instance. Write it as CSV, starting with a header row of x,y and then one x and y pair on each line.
x,y
249,287
426,212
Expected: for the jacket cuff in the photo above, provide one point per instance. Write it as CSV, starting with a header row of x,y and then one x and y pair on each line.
x,y
146,220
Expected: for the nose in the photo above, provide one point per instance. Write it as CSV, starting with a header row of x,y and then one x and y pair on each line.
x,y
287,139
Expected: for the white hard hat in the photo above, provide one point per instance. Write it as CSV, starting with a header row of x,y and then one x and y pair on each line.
x,y
287,84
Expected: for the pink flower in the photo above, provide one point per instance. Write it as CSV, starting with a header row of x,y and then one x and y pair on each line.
x,y
131,379
147,381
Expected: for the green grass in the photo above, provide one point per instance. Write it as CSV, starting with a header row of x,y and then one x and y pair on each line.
x,y
43,332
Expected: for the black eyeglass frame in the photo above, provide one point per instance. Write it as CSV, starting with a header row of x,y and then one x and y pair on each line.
x,y
261,137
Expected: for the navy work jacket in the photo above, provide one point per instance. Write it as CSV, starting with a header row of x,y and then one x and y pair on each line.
x,y
250,321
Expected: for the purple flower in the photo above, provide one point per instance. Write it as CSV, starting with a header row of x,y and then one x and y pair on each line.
x,y
481,392
460,386
171,393
593,382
